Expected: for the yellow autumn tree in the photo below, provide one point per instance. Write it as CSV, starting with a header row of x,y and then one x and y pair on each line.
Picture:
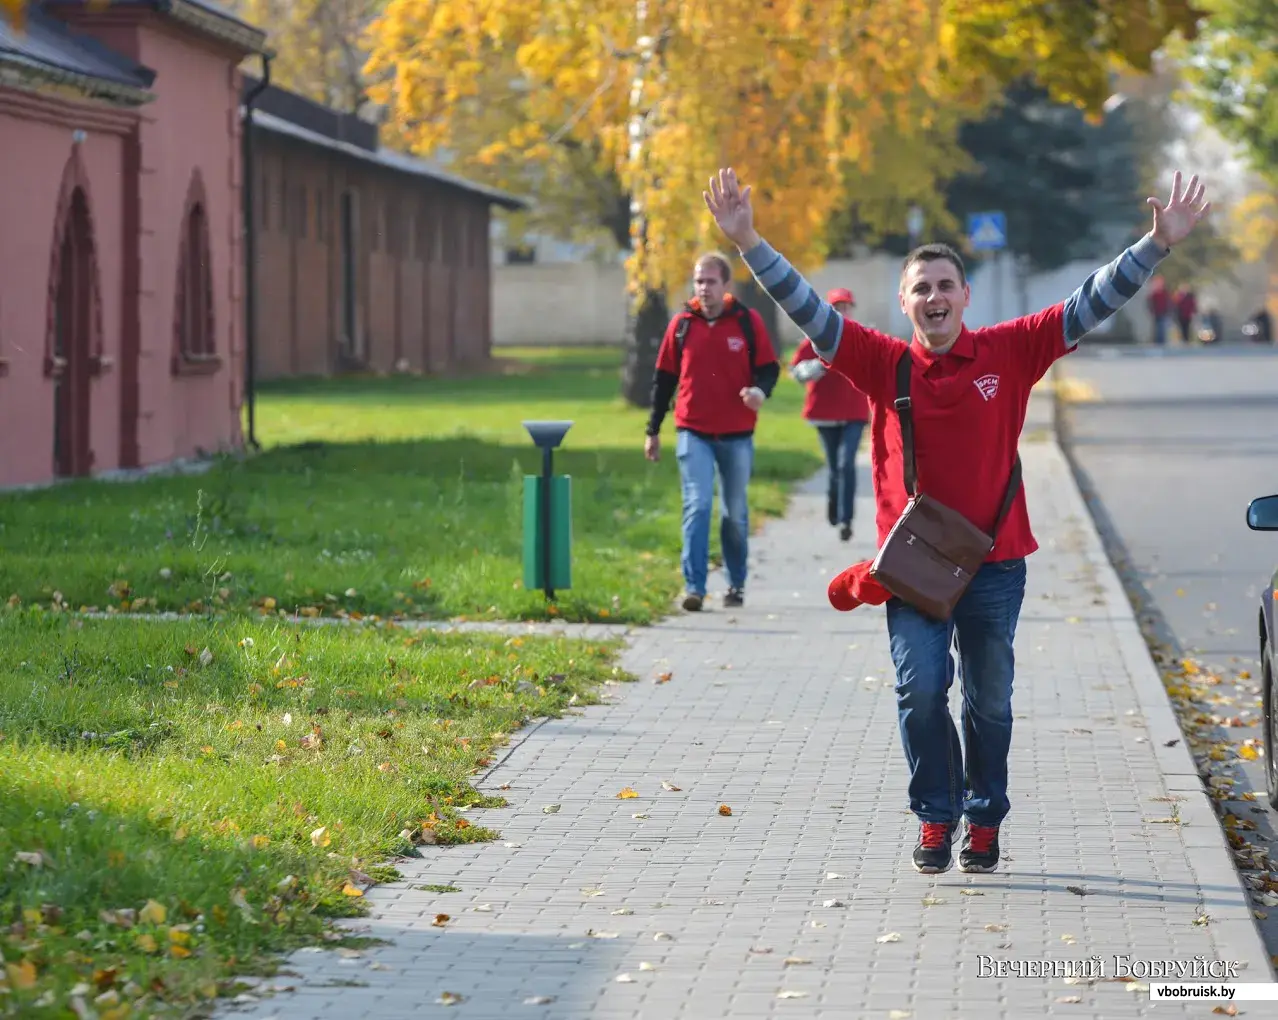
x,y
794,94
661,93
317,46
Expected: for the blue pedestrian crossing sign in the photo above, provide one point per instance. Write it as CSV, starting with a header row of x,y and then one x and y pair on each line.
x,y
987,231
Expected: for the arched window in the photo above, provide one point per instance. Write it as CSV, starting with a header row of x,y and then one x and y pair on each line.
x,y
195,349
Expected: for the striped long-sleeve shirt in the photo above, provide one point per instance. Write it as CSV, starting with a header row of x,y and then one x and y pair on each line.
x,y
1101,295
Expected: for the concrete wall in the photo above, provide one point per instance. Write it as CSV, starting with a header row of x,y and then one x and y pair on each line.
x,y
585,303
558,303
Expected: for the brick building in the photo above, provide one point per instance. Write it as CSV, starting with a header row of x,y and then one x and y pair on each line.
x,y
124,338
367,259
121,321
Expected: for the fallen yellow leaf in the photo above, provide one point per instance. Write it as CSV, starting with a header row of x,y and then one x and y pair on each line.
x,y
350,890
320,837
1248,752
146,942
179,952
724,809
627,794
152,913
21,975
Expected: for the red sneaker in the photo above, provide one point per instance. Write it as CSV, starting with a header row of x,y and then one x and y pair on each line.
x,y
934,855
980,849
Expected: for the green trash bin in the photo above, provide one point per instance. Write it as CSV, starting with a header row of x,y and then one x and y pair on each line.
x,y
547,515
560,533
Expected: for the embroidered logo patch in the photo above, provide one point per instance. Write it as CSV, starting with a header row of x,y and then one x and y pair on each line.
x,y
736,344
988,386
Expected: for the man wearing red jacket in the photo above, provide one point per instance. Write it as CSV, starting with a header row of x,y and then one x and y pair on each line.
x,y
969,391
839,411
717,361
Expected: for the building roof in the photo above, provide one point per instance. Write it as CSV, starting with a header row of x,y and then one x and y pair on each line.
x,y
206,16
45,49
216,20
389,159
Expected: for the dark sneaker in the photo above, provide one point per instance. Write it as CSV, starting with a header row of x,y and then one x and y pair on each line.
x,y
980,849
692,602
845,532
734,598
934,854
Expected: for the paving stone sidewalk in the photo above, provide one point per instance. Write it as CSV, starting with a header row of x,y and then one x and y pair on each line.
x,y
661,907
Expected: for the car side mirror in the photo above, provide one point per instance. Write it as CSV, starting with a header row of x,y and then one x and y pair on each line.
x,y
1262,514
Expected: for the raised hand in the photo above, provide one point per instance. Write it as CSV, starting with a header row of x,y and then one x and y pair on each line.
x,y
1174,221
729,204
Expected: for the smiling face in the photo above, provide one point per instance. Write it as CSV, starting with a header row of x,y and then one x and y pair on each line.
x,y
934,292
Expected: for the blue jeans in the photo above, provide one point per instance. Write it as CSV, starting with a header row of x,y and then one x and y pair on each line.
x,y
699,458
946,780
840,443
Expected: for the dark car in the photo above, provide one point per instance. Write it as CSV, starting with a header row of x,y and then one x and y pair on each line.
x,y
1262,515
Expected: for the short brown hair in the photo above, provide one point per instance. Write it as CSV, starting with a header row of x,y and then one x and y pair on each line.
x,y
715,258
932,253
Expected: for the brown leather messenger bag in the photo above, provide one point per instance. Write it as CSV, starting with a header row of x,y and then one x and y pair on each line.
x,y
932,552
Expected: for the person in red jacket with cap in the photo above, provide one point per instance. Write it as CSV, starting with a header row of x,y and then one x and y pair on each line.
x,y
839,412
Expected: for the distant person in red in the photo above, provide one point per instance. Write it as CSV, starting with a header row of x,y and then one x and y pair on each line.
x,y
839,412
717,362
1160,308
1186,308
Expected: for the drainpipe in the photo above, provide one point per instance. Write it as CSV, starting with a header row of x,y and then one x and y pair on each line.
x,y
248,176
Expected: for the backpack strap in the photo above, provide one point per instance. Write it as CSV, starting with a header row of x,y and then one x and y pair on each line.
x,y
747,327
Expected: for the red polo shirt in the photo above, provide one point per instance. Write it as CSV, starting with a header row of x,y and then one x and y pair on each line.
x,y
832,397
715,368
969,407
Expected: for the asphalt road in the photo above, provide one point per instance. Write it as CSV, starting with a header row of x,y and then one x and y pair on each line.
x,y
1169,449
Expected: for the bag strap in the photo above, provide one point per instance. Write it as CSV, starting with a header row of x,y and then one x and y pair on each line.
x,y
905,411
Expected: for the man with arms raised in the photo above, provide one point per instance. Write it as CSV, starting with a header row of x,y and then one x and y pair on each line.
x,y
969,392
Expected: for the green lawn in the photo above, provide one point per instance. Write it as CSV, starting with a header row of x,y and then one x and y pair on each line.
x,y
392,496
180,799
